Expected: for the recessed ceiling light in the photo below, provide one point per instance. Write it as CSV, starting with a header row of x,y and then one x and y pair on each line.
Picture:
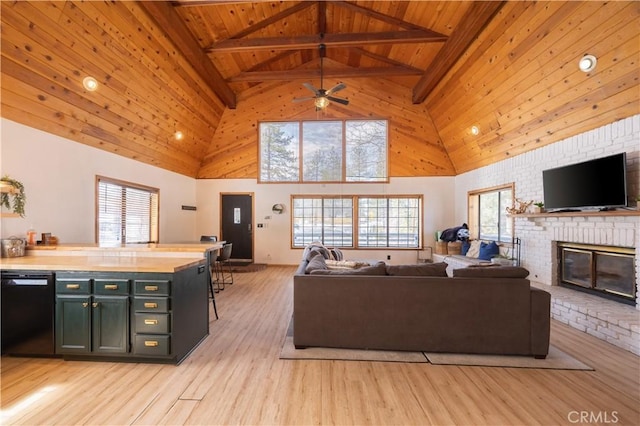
x,y
90,83
178,135
475,130
587,63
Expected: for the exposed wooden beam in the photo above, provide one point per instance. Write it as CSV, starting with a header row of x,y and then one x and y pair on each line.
x,y
330,40
302,74
272,19
472,23
383,59
177,31
384,18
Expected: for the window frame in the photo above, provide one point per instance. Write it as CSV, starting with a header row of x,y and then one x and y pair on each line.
x,y
343,150
474,212
154,217
355,227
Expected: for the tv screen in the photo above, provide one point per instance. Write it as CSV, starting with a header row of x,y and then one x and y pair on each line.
x,y
599,183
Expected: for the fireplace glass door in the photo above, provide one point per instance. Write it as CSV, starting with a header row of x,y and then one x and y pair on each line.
x,y
615,273
576,267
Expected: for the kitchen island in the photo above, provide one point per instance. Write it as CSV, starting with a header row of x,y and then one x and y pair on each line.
x,y
139,303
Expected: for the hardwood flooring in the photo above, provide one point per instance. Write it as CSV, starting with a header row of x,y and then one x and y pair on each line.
x,y
235,377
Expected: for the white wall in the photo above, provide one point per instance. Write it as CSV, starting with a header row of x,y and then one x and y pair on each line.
x,y
59,179
273,241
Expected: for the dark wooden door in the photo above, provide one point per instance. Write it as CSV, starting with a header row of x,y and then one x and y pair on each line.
x,y
237,224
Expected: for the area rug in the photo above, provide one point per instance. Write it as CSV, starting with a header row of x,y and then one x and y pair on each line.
x,y
556,360
290,352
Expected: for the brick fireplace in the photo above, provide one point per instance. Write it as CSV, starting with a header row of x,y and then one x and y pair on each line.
x,y
544,235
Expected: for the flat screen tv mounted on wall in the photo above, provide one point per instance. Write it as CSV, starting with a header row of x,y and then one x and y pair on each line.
x,y
595,184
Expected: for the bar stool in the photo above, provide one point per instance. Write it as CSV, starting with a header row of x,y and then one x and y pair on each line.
x,y
224,272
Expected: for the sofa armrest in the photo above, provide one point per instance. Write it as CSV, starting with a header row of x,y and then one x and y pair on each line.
x,y
540,322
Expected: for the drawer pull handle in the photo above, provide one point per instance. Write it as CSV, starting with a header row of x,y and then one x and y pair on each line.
x,y
150,305
95,304
85,304
73,286
151,343
151,287
150,322
111,287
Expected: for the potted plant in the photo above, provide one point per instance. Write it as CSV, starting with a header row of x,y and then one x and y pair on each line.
x,y
538,207
13,198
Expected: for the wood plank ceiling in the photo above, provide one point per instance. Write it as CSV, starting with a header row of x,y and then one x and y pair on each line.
x,y
214,69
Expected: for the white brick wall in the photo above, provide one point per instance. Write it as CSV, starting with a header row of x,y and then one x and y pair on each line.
x,y
526,172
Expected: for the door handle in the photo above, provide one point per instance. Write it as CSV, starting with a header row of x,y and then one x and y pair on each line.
x,y
249,227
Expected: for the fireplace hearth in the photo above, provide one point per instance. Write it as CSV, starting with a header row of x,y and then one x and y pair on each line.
x,y
601,270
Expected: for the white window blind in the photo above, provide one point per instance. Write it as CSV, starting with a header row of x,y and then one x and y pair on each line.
x,y
127,213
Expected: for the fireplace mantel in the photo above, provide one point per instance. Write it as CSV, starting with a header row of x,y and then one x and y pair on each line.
x,y
579,214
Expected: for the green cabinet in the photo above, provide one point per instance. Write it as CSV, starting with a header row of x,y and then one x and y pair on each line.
x,y
92,315
132,316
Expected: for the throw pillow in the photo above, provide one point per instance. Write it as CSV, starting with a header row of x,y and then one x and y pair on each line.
x,y
345,264
421,269
336,254
316,262
474,248
377,269
464,248
488,250
492,272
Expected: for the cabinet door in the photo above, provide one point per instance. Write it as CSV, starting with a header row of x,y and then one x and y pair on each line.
x,y
73,324
110,324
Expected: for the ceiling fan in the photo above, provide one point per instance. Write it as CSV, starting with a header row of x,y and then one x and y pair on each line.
x,y
322,96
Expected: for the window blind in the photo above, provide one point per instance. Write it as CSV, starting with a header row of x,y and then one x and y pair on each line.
x,y
127,213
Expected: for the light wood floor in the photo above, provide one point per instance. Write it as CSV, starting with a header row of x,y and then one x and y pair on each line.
x,y
235,377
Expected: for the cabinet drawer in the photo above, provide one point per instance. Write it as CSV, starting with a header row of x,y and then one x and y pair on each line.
x,y
106,286
152,287
151,304
73,286
152,323
152,345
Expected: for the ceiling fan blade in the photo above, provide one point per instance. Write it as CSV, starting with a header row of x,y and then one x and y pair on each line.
x,y
338,100
310,87
303,99
336,88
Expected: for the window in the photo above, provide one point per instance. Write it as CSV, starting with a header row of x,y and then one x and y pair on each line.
x,y
488,215
382,221
127,213
324,151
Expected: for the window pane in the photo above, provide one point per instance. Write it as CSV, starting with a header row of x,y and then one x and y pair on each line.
x,y
489,216
389,222
126,214
279,146
372,222
338,222
366,150
322,151
404,222
307,221
506,224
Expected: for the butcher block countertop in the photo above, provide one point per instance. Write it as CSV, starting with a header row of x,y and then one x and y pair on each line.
x,y
100,263
121,258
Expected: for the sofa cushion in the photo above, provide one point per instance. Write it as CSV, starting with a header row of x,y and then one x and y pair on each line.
x,y
336,254
345,264
474,248
421,269
488,250
492,272
465,248
377,269
316,261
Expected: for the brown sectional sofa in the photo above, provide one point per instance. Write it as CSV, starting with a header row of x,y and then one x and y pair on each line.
x,y
477,311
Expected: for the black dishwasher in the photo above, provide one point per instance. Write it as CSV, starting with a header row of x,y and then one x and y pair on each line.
x,y
28,313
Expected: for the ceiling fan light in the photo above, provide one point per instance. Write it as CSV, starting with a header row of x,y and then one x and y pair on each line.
x,y
321,102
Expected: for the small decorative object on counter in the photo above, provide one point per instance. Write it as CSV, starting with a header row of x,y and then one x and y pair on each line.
x,y
31,237
13,247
